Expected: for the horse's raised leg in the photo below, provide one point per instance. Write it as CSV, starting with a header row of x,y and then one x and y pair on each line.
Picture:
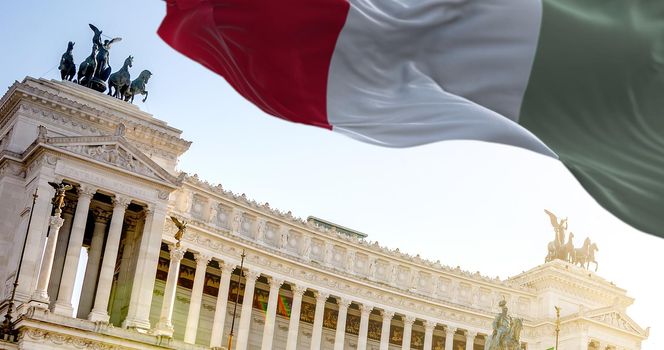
x,y
146,96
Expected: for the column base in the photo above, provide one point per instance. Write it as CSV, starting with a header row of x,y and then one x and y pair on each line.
x,y
40,300
64,309
163,328
140,325
99,316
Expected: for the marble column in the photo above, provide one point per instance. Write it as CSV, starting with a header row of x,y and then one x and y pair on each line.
x,y
247,305
191,328
407,331
271,313
140,300
449,337
428,334
99,312
365,311
63,305
222,304
385,330
94,260
40,297
340,334
294,322
60,251
470,339
165,325
317,329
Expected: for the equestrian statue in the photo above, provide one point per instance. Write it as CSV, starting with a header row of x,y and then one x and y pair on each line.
x,y
506,333
120,80
67,67
561,250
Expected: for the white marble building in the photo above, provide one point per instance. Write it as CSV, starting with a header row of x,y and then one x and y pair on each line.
x,y
311,287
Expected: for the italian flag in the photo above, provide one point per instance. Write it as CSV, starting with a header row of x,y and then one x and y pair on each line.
x,y
580,81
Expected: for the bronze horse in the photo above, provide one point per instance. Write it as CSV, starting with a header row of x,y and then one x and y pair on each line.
x,y
137,86
120,80
67,67
87,69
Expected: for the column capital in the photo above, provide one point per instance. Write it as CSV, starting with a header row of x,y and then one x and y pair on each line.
x,y
298,289
365,309
429,325
343,302
121,201
86,191
226,266
101,216
450,330
275,282
202,259
251,274
387,315
408,320
56,222
471,334
320,295
177,253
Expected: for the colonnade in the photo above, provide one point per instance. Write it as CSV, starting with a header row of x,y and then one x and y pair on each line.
x,y
102,257
164,326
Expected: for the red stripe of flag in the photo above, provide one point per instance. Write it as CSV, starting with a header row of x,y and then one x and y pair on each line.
x,y
275,53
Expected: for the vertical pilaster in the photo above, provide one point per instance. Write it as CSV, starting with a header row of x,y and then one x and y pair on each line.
x,y
470,339
196,298
40,297
365,311
63,305
165,325
449,337
428,334
317,330
94,260
385,330
247,305
340,334
222,304
138,313
294,322
99,312
271,313
407,331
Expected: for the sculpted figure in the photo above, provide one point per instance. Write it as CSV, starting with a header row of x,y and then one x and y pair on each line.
x,y
103,68
120,80
506,331
67,67
59,199
555,247
137,87
86,70
182,226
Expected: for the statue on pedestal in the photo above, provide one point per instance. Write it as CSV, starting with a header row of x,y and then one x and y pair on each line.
x,y
67,67
506,331
561,250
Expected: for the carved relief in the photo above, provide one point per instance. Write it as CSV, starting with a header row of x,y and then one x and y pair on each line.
x,y
115,155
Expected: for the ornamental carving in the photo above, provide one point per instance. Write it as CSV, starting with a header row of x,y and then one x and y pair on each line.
x,y
43,336
113,154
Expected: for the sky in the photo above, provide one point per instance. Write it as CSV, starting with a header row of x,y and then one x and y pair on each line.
x,y
476,205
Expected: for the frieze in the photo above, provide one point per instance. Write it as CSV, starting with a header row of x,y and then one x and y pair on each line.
x,y
59,339
115,155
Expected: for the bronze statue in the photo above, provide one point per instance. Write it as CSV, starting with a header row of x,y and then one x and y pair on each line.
x,y
506,331
67,67
59,198
103,70
555,247
86,70
120,80
182,226
558,249
137,86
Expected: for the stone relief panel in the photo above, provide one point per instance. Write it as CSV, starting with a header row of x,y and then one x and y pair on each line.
x,y
294,245
199,207
338,256
221,216
114,155
361,265
423,282
484,299
465,293
403,276
383,270
247,225
271,234
317,250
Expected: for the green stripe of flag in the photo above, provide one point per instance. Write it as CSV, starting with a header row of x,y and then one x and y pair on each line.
x,y
596,97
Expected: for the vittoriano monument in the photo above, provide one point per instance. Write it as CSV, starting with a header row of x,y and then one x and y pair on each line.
x,y
95,71
506,333
561,250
